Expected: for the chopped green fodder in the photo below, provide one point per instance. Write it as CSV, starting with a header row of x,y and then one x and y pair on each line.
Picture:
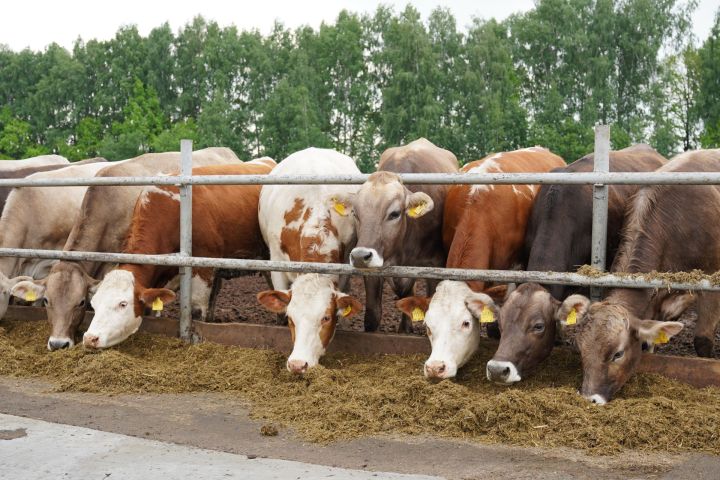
x,y
351,396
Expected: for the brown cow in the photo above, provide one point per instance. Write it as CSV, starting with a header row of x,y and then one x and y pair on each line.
x,y
558,239
484,228
398,224
225,224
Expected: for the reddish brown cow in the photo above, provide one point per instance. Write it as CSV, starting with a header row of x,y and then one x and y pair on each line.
x,y
225,224
484,228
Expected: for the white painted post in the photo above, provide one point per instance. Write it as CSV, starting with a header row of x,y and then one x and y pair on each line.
x,y
600,204
185,241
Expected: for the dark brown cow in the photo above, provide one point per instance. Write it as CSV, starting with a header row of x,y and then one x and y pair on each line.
x,y
225,224
398,224
558,239
484,228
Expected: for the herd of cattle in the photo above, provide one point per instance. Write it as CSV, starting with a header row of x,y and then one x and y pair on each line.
x,y
380,223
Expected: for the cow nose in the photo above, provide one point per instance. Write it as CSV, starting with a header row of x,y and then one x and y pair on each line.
x,y
498,371
90,341
435,369
54,344
297,366
598,399
361,257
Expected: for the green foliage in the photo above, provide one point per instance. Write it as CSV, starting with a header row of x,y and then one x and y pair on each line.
x,y
369,81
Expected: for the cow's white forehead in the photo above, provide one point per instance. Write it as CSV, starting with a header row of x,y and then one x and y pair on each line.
x,y
116,280
311,295
448,303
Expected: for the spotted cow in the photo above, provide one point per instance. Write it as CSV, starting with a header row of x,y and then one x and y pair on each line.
x,y
308,223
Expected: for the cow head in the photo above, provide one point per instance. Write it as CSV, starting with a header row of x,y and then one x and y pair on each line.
x,y
6,286
382,208
119,303
528,324
453,320
313,306
610,340
64,294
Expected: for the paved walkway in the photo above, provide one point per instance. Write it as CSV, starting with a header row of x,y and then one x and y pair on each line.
x,y
38,450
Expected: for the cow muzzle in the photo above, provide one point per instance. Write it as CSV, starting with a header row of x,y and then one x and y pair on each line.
x,y
298,367
58,343
361,257
502,372
436,369
91,341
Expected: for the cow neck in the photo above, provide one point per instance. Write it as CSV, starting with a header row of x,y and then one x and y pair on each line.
x,y
635,300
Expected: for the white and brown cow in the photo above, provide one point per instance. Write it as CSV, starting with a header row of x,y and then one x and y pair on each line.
x,y
398,224
484,228
225,224
102,226
308,223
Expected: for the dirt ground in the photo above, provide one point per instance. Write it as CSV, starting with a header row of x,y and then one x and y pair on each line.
x,y
220,422
236,302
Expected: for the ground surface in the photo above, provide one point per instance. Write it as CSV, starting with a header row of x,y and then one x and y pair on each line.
x,y
220,423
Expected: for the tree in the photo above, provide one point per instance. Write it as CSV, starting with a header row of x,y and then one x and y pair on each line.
x,y
709,83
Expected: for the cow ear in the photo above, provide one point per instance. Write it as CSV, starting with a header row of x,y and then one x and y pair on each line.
x,y
347,305
28,290
482,307
414,307
156,297
654,332
573,310
499,293
418,204
274,300
341,203
673,306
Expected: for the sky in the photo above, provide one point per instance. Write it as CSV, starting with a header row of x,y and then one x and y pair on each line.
x,y
35,24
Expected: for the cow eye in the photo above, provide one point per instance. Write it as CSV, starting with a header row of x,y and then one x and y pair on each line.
x,y
82,303
539,327
394,215
326,319
123,304
45,302
466,324
618,355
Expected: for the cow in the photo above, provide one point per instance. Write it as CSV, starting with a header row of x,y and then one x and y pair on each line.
x,y
484,228
558,239
102,226
39,218
8,173
308,223
225,224
398,224
39,161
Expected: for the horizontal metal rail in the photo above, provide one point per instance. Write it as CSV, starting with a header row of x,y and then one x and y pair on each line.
x,y
582,178
516,276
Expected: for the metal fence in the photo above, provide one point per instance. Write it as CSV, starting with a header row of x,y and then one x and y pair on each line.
x,y
600,179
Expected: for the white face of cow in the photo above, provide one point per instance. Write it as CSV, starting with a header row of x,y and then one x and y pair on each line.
x,y
452,320
313,306
115,311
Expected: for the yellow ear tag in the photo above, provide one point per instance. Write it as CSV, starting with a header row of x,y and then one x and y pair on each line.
x,y
661,338
418,315
571,318
346,311
157,305
487,315
339,207
417,210
30,296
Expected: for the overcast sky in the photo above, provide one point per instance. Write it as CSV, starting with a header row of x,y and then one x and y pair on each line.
x,y
35,24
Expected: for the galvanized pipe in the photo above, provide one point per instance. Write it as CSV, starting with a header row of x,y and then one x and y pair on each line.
x,y
580,178
507,276
186,241
600,204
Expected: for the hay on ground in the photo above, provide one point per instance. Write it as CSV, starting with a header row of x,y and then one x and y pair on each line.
x,y
350,396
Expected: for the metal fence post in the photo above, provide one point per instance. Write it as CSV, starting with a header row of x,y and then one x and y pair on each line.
x,y
185,241
600,204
